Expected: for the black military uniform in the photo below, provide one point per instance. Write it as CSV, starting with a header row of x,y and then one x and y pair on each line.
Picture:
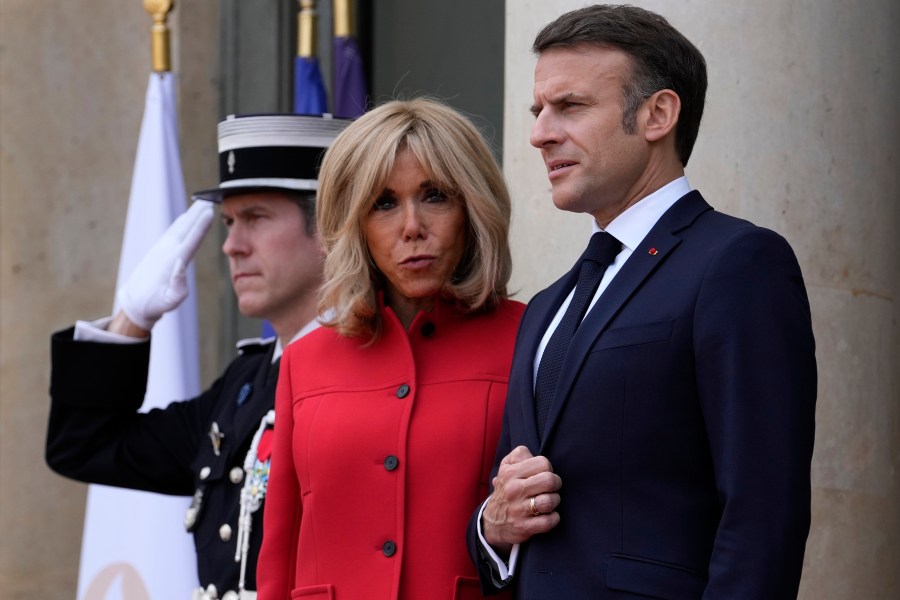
x,y
191,448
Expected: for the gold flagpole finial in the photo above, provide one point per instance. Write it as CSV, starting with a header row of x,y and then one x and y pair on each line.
x,y
343,18
306,29
160,53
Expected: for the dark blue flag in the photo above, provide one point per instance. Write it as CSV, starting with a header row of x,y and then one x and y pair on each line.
x,y
309,90
349,81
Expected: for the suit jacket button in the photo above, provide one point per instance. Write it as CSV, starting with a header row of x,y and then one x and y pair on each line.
x,y
236,475
225,532
403,391
428,329
204,472
391,462
389,548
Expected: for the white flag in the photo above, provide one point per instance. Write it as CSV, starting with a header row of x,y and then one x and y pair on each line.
x,y
135,546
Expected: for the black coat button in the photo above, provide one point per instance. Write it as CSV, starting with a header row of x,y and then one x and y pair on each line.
x,y
428,329
391,462
389,548
403,391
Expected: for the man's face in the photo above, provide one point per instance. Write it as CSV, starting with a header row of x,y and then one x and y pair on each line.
x,y
593,165
275,265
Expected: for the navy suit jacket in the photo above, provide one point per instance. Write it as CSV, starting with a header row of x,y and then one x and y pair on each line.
x,y
683,422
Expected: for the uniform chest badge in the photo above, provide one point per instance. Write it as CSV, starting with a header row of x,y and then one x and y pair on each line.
x,y
244,393
256,467
215,437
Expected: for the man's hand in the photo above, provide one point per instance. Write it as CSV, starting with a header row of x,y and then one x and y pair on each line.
x,y
159,282
524,500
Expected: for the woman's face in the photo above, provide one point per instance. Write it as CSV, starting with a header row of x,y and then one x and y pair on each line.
x,y
416,236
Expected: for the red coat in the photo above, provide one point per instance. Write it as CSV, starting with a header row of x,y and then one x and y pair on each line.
x,y
381,453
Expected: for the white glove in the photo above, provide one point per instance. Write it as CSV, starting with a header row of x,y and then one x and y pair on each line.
x,y
158,283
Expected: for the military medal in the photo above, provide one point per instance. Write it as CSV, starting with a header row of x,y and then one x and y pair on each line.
x,y
256,467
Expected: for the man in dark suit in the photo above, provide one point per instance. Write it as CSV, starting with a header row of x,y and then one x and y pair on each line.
x,y
660,445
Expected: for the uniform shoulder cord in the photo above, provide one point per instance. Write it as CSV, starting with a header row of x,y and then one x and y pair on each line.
x,y
252,495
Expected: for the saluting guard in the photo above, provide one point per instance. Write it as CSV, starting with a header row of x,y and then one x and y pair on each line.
x,y
214,448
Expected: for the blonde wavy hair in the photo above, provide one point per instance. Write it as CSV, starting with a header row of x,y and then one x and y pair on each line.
x,y
354,173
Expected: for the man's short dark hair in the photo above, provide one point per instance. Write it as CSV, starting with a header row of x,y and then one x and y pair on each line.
x,y
307,205
662,58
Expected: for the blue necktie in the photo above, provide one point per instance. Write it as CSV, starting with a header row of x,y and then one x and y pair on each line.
x,y
601,251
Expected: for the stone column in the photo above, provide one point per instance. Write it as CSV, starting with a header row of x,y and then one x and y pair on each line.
x,y
800,136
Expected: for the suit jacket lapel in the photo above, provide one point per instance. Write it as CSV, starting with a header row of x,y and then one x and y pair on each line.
x,y
646,258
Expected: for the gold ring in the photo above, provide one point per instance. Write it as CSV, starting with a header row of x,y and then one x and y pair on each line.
x,y
534,511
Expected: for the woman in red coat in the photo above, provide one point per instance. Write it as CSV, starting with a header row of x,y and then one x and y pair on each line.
x,y
388,417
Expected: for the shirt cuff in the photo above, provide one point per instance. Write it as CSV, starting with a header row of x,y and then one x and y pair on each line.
x,y
95,331
504,570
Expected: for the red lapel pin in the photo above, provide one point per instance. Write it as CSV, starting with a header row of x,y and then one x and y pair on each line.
x,y
652,251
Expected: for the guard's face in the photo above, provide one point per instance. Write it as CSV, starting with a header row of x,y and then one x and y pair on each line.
x,y
416,236
594,166
275,265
